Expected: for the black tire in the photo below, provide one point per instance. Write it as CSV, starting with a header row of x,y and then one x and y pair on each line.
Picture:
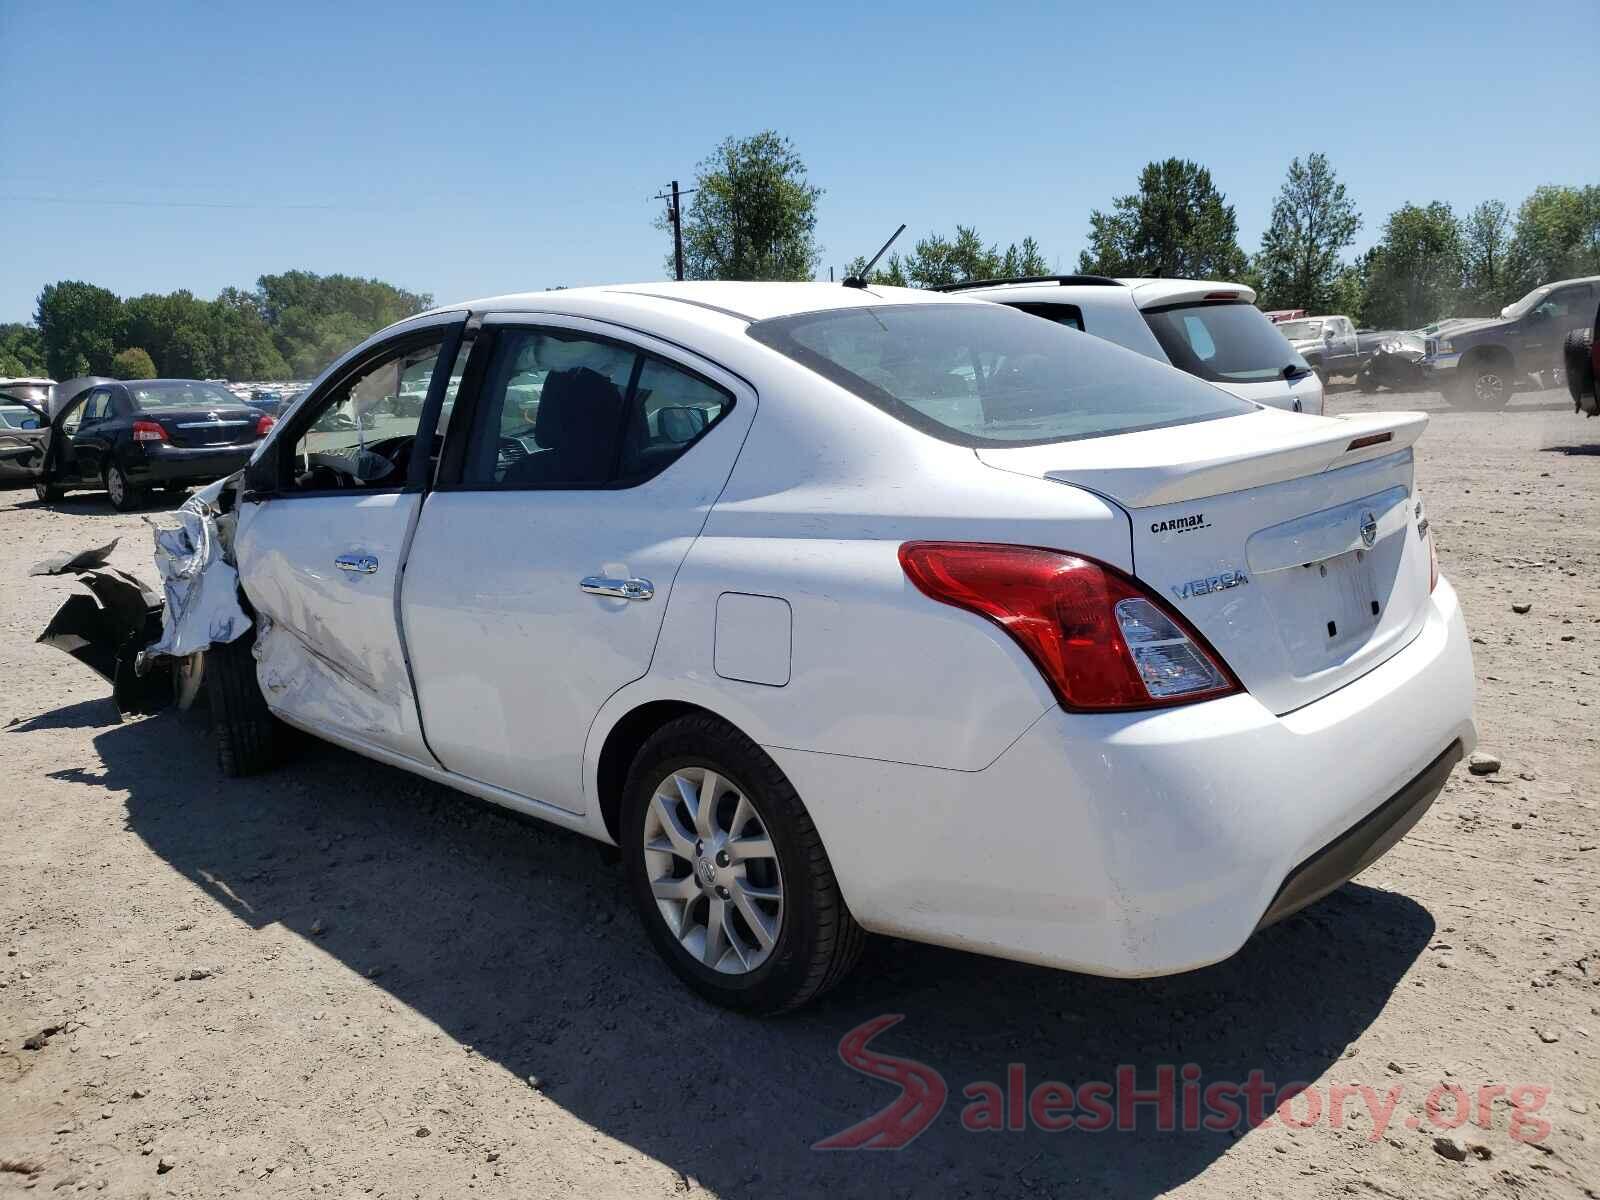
x,y
246,733
1483,385
120,491
49,493
1575,354
1322,371
1368,381
817,942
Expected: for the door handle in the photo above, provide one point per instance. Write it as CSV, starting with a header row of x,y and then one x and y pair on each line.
x,y
623,589
362,564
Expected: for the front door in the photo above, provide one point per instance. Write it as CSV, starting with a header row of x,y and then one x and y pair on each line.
x,y
322,536
539,575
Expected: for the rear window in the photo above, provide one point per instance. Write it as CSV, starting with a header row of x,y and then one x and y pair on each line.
x,y
181,393
987,375
1224,342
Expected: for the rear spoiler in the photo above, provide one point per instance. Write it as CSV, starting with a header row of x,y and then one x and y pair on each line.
x,y
1212,458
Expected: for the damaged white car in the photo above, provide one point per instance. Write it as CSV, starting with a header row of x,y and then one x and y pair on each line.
x,y
843,610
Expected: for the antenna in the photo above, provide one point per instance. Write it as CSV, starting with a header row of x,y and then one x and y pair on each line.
x,y
859,280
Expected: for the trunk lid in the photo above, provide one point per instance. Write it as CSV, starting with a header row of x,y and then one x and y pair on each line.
x,y
235,426
1291,542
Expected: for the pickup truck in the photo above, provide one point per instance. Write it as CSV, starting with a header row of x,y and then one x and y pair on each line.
x,y
1480,363
1329,344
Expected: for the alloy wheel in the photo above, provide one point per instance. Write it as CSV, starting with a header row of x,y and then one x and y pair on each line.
x,y
1489,387
713,870
116,487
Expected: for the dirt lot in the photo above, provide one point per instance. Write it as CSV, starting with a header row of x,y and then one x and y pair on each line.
x,y
338,980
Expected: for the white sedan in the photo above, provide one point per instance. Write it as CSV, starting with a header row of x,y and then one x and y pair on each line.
x,y
843,610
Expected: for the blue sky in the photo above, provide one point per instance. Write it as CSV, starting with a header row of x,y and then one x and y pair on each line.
x,y
467,150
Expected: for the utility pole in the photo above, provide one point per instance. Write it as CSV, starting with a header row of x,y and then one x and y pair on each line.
x,y
675,215
677,231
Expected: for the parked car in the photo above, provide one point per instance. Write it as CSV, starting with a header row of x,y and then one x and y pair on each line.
x,y
1277,315
127,437
1582,364
845,610
1480,363
1391,358
1329,344
1211,330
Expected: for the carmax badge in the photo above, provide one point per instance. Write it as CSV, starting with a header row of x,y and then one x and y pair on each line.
x,y
1211,583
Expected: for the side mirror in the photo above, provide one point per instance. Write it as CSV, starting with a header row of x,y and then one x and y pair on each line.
x,y
681,423
261,476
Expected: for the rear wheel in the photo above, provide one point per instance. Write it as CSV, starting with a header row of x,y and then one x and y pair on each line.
x,y
246,733
123,495
728,873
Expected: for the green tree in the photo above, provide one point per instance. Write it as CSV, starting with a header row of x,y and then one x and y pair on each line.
x,y
21,350
1312,221
890,271
133,363
1176,225
1415,271
242,339
754,215
175,329
81,327
1557,236
937,260
315,318
1350,288
1485,237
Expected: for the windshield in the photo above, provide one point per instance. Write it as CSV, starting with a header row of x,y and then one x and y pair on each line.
x,y
987,375
181,393
1301,331
1525,305
1227,343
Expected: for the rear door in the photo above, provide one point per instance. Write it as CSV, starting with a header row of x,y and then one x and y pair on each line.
x,y
543,559
322,535
91,443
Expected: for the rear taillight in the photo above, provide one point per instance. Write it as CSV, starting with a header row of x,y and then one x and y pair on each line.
x,y
148,431
263,423
1101,640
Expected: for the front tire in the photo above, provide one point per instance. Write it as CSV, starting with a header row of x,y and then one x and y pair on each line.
x,y
246,732
49,493
120,491
728,873
1483,386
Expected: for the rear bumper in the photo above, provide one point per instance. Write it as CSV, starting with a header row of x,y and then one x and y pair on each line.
x,y
185,464
1148,843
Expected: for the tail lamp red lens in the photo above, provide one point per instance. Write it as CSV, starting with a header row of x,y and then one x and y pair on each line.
x,y
1102,641
263,423
149,431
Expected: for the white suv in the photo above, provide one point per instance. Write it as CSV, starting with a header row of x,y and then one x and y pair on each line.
x,y
1211,330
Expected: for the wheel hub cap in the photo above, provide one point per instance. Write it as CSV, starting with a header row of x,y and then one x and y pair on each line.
x,y
713,870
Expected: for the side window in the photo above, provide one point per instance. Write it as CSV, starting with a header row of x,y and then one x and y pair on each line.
x,y
671,409
94,408
364,431
1069,315
562,409
75,418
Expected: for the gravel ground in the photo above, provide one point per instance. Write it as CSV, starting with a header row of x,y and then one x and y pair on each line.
x,y
339,980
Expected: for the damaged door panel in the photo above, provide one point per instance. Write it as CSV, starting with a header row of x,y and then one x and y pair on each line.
x,y
324,526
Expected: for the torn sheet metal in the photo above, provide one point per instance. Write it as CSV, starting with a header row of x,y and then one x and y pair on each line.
x,y
201,584
108,628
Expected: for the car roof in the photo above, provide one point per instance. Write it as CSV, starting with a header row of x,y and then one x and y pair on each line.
x,y
26,381
742,301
